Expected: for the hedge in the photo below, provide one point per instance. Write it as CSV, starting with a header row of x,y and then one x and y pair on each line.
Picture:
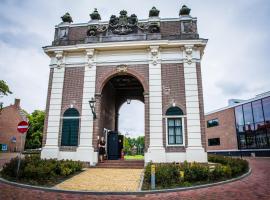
x,y
169,175
39,171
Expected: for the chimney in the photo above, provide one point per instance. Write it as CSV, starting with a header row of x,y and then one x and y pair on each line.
x,y
17,103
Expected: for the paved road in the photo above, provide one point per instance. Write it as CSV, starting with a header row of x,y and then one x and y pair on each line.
x,y
255,186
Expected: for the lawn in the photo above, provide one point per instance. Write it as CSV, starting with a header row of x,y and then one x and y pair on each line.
x,y
135,157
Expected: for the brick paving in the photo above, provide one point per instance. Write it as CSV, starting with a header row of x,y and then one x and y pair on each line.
x,y
255,186
104,180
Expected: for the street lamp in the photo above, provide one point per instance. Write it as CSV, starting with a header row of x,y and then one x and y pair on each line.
x,y
128,101
92,103
1,107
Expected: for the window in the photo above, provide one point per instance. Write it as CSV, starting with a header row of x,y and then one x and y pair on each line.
x,y
257,111
70,127
212,123
175,135
214,142
266,109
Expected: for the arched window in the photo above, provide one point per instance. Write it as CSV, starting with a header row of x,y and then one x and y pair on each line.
x,y
70,127
175,126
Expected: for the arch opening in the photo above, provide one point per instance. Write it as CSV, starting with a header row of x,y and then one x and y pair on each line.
x,y
121,92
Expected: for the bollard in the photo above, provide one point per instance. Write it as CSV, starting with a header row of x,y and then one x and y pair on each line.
x,y
153,177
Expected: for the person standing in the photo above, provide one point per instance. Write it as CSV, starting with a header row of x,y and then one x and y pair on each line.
x,y
101,146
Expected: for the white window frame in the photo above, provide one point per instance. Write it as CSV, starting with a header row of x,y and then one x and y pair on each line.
x,y
182,117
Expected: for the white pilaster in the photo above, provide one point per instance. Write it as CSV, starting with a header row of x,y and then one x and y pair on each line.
x,y
51,149
156,151
195,151
85,151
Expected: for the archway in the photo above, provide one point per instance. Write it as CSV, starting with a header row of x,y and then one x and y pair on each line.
x,y
116,91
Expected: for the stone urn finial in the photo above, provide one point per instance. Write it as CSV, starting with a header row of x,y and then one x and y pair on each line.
x,y
154,12
95,15
184,10
67,18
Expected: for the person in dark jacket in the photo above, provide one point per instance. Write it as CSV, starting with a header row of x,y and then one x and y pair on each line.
x,y
101,149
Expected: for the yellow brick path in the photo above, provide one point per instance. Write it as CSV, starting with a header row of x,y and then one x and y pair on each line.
x,y
104,180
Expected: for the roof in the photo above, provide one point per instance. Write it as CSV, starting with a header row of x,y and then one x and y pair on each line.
x,y
257,97
126,28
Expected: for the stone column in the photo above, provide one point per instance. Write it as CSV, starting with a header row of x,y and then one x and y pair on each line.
x,y
194,151
51,148
156,151
85,151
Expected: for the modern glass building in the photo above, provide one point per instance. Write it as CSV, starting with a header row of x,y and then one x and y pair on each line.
x,y
243,127
253,124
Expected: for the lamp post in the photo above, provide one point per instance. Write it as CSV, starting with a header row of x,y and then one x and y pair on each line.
x,y
92,103
1,107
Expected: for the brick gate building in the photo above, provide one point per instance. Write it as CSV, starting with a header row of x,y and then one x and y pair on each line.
x,y
155,60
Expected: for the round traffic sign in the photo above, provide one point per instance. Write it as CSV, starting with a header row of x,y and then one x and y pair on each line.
x,y
22,127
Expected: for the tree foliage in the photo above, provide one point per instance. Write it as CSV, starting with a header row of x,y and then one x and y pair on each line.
x,y
4,89
129,143
34,134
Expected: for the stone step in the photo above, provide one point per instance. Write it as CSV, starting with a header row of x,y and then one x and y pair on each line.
x,y
135,164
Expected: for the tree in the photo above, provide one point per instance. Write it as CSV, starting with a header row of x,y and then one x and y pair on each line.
x,y
4,89
34,134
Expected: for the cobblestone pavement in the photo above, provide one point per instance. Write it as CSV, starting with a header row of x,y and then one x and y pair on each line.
x,y
98,179
255,186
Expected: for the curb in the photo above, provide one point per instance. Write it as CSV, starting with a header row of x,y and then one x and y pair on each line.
x,y
124,193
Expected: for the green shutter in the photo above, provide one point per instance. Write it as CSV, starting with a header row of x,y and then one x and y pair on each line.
x,y
70,128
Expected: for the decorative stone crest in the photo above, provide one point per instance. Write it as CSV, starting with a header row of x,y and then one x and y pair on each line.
x,y
188,51
59,59
154,52
123,24
121,68
90,57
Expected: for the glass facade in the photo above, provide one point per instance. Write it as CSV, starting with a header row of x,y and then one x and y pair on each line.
x,y
253,124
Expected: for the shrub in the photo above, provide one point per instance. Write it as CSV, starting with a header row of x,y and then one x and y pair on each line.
x,y
40,171
170,174
195,172
238,166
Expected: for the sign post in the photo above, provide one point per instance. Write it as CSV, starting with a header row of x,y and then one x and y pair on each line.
x,y
22,128
153,176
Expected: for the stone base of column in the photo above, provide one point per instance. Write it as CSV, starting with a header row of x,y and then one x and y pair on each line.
x,y
87,154
48,152
196,154
155,155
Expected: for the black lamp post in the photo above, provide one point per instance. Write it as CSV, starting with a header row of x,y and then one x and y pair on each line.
x,y
1,107
92,103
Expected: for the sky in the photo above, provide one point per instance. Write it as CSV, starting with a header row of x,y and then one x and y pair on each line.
x,y
235,62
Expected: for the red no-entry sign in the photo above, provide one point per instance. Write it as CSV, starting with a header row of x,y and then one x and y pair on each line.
x,y
22,127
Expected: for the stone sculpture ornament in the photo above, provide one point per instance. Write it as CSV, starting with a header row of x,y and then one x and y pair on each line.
x,y
184,10
67,18
154,12
123,24
95,15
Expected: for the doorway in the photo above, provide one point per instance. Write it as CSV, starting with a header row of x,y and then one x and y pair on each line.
x,y
118,90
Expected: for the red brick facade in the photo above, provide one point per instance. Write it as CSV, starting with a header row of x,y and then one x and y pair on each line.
x,y
9,118
226,130
173,89
47,108
201,103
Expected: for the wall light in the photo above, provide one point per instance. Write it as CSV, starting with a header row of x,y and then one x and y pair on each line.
x,y
92,103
